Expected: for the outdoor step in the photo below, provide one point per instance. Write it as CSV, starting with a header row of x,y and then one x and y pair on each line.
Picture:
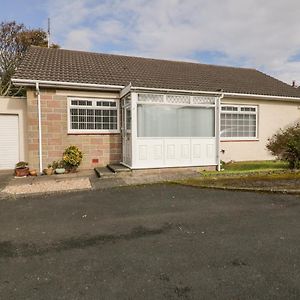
x,y
104,172
118,168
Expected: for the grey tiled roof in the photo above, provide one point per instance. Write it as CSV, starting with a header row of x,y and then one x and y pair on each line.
x,y
96,68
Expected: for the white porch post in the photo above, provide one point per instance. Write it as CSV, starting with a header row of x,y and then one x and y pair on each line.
x,y
134,99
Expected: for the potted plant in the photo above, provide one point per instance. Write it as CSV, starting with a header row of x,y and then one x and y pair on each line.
x,y
72,158
60,167
48,170
22,169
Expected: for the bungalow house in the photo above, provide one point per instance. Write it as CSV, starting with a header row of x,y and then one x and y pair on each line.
x,y
144,113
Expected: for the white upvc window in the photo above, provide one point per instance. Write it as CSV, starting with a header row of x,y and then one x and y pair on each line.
x,y
239,122
86,115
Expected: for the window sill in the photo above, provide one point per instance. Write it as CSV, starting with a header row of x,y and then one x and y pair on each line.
x,y
94,133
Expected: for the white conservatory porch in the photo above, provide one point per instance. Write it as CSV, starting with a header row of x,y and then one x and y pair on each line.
x,y
162,130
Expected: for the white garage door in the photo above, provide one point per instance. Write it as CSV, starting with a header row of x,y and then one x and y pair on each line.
x,y
9,141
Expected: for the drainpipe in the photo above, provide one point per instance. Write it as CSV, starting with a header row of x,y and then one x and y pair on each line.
x,y
39,126
218,123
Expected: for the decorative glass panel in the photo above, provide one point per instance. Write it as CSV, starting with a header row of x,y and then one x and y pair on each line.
x,y
178,99
203,100
151,98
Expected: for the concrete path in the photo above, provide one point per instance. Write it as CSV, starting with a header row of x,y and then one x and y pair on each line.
x,y
82,180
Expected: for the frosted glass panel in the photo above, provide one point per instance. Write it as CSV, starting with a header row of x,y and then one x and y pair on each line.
x,y
175,121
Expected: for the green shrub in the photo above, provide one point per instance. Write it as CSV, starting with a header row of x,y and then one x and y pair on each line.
x,y
21,165
72,157
285,145
58,164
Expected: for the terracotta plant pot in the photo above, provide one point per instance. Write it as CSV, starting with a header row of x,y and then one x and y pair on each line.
x,y
22,172
32,172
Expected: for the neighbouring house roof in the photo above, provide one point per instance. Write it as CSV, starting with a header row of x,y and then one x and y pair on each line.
x,y
70,66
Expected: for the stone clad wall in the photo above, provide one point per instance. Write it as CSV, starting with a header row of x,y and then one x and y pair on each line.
x,y
106,148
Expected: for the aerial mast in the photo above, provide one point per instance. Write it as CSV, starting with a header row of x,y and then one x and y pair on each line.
x,y
48,33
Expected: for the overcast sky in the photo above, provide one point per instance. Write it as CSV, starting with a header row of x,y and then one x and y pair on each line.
x,y
261,34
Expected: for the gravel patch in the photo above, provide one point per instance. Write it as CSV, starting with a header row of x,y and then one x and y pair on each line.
x,y
49,186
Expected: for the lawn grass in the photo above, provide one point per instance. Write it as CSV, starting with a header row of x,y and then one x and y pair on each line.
x,y
248,167
253,174
255,165
288,180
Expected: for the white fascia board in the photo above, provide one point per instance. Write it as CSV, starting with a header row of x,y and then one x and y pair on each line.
x,y
162,90
45,83
219,93
257,96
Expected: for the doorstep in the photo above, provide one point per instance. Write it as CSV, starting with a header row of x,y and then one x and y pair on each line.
x,y
118,168
112,171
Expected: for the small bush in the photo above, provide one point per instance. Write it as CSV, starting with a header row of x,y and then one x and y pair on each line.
x,y
21,165
72,157
58,164
285,145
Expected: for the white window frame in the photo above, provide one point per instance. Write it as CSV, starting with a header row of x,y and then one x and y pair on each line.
x,y
94,105
239,111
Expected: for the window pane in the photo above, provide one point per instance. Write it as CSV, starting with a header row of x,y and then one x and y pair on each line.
x,y
74,125
175,121
128,119
229,108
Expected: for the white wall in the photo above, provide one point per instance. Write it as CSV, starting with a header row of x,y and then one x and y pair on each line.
x,y
272,115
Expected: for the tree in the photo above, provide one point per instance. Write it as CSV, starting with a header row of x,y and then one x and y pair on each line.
x,y
14,41
285,144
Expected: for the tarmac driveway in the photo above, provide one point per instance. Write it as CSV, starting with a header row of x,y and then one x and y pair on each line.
x,y
151,242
